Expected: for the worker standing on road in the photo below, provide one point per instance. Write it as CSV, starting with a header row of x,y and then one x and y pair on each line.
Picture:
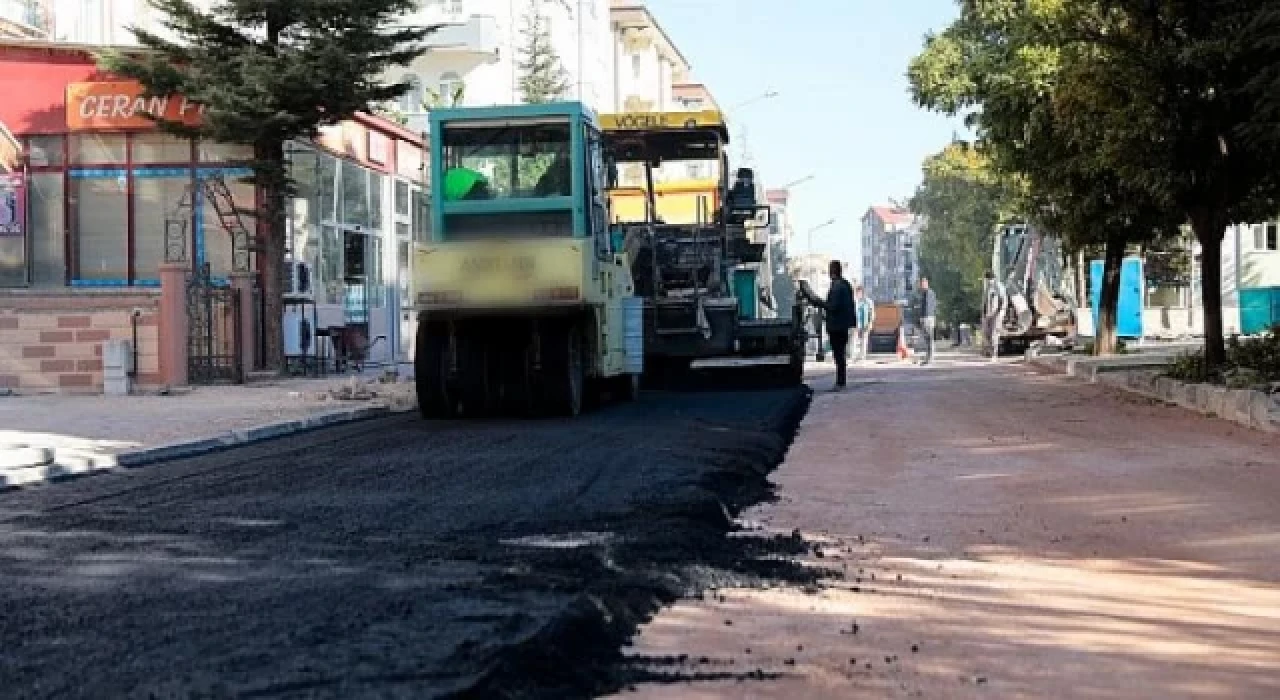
x,y
841,317
928,315
994,303
866,315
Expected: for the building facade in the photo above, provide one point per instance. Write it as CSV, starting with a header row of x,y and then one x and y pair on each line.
x,y
890,253
473,59
101,189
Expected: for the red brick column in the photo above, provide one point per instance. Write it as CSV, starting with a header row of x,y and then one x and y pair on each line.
x,y
242,282
172,345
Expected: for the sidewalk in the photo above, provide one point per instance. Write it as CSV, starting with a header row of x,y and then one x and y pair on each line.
x,y
993,532
48,437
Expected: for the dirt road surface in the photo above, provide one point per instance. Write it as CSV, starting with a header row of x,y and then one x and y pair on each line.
x,y
997,533
395,558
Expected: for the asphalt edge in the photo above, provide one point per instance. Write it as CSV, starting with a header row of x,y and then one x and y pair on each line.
x,y
601,624
185,449
50,466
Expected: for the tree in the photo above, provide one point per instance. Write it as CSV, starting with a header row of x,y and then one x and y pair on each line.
x,y
268,72
1025,80
542,76
1190,116
963,202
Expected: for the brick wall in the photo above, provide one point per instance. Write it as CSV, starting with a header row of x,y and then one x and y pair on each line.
x,y
51,340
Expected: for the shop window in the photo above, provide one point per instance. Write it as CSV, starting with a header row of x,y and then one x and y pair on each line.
x,y
402,198
157,147
355,195
217,152
377,183
99,216
377,284
97,149
421,216
46,151
217,240
331,264
327,187
46,228
155,199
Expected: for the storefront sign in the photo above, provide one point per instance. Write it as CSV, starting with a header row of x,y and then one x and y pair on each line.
x,y
13,205
121,105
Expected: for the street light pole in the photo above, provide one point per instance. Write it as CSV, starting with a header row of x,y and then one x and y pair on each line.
x,y
744,152
808,246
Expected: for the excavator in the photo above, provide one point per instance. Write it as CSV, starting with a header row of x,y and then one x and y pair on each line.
x,y
698,248
1041,304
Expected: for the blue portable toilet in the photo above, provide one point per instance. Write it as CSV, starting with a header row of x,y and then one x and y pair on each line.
x,y
1131,303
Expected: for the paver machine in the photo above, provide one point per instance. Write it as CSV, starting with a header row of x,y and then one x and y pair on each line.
x,y
698,248
523,305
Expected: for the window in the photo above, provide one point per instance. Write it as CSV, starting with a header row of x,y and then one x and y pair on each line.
x,y
217,240
156,147
402,198
1264,236
451,87
331,265
636,66
215,152
46,229
155,198
97,149
46,151
355,195
527,161
421,216
99,218
411,100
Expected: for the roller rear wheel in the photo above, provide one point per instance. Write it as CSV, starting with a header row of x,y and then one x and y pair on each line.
x,y
431,372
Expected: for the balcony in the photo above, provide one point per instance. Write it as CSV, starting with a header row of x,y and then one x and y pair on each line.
x,y
477,34
25,19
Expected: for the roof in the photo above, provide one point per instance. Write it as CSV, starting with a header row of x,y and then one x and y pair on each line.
x,y
632,14
779,196
890,215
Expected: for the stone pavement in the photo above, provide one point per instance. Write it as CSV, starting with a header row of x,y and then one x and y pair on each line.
x,y
49,437
996,532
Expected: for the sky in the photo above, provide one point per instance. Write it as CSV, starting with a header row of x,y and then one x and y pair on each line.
x,y
843,113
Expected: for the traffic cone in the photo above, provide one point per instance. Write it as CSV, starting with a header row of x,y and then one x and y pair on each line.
x,y
903,351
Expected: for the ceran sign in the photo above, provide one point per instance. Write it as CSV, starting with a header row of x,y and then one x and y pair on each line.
x,y
121,105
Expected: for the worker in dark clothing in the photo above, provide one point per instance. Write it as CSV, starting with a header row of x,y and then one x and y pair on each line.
x,y
928,315
840,312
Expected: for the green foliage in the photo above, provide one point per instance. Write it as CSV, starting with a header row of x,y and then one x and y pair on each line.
x,y
963,201
1249,362
267,72
542,76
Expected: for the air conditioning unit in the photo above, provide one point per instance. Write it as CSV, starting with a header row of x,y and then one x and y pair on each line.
x,y
297,281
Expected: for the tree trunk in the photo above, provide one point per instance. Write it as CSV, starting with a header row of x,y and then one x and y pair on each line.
x,y
1210,229
1109,299
272,179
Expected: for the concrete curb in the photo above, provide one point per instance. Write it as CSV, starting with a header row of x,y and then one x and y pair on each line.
x,y
1251,409
26,466
247,436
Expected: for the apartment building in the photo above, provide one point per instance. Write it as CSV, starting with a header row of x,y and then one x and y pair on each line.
x,y
889,250
473,58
